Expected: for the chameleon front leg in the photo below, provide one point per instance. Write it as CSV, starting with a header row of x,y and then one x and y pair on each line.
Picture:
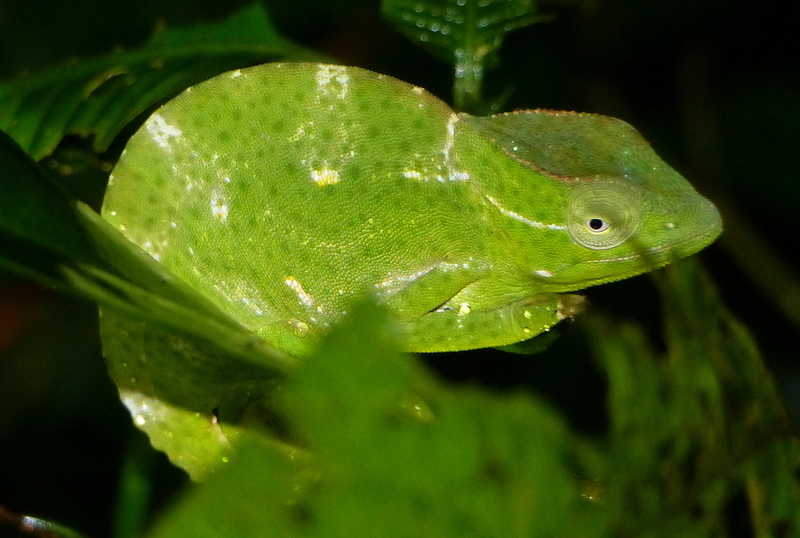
x,y
433,315
462,327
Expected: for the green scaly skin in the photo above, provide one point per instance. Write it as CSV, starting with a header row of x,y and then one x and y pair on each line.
x,y
285,192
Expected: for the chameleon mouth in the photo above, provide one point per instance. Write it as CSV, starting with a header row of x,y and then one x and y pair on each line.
x,y
664,254
646,259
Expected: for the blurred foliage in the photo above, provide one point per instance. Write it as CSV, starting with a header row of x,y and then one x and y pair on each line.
x,y
102,96
693,439
468,34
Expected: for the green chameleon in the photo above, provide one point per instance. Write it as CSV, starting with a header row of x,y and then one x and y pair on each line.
x,y
285,192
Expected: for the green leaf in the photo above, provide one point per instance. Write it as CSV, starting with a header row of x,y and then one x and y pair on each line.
x,y
396,454
101,96
60,242
183,367
466,33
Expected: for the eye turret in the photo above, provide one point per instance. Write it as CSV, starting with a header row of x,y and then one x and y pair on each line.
x,y
603,215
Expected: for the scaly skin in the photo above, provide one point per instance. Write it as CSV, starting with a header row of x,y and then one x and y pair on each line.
x,y
285,192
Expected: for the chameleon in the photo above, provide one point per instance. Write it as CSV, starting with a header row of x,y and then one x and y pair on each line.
x,y
286,192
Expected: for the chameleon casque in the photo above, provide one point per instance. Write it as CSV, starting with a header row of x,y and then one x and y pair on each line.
x,y
285,192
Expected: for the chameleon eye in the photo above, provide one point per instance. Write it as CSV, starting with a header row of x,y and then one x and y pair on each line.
x,y
603,215
597,225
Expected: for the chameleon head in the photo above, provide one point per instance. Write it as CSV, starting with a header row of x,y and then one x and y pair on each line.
x,y
623,211
624,228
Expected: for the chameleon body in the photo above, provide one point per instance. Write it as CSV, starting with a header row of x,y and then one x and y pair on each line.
x,y
285,192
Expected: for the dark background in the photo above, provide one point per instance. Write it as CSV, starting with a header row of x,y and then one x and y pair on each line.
x,y
708,82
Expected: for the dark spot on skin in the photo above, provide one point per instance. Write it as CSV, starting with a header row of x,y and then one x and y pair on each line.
x,y
299,96
235,115
374,132
277,126
328,132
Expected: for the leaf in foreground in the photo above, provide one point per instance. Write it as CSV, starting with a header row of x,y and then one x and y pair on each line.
x,y
188,373
394,454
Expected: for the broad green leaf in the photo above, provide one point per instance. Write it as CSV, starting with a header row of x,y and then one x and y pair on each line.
x,y
186,371
466,33
52,238
100,97
453,463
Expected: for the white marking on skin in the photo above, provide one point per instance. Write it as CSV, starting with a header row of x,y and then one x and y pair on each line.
x,y
449,142
236,74
412,174
445,266
517,216
544,273
450,138
219,206
161,131
305,299
113,213
155,247
325,176
299,133
391,285
417,90
240,291
326,76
